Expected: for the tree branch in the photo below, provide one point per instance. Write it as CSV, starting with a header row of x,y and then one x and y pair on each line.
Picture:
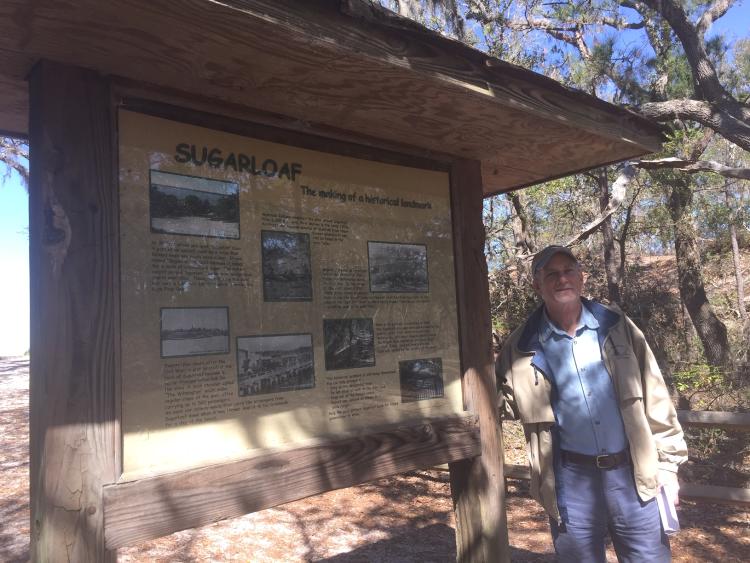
x,y
619,189
692,167
712,13
695,150
15,155
581,43
625,228
733,128
620,24
692,42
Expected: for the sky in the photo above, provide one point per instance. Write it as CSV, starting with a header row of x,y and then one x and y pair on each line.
x,y
14,240
14,258
735,23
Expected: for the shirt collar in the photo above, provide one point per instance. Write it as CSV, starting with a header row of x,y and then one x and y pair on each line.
x,y
547,328
587,320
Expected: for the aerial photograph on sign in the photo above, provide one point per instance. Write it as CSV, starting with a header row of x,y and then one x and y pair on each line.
x,y
397,267
349,343
194,331
287,274
421,379
274,364
188,205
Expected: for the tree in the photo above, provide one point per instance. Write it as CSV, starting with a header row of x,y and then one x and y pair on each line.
x,y
711,331
672,74
14,153
611,265
711,104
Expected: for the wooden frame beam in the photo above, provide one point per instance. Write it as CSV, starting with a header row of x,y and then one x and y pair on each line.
x,y
734,421
715,494
156,506
476,484
74,245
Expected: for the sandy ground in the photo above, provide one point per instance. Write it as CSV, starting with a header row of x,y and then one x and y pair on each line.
x,y
406,518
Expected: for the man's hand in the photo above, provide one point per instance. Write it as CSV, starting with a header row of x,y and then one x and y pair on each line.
x,y
669,480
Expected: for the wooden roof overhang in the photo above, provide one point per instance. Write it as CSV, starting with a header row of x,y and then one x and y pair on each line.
x,y
338,68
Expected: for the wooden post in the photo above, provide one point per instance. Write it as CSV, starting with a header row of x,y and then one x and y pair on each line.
x,y
73,218
477,483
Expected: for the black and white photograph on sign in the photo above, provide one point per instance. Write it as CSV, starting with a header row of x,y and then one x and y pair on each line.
x,y
397,267
349,343
274,364
194,331
188,205
421,379
287,274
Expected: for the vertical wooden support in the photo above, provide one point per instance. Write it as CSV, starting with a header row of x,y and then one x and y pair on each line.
x,y
74,311
476,484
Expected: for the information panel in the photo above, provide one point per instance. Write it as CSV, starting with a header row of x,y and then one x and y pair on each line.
x,y
272,295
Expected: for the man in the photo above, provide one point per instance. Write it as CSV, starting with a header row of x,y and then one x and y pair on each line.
x,y
602,433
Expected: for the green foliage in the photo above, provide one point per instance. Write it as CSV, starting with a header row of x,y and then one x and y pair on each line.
x,y
591,73
512,300
739,72
697,377
677,69
705,442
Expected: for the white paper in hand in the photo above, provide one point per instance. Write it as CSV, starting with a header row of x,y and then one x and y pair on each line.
x,y
667,511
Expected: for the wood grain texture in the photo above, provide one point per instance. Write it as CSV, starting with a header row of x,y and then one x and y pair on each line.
x,y
476,484
517,471
153,507
734,421
14,107
278,129
308,61
715,494
74,312
14,93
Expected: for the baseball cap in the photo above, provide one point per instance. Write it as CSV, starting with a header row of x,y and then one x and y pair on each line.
x,y
543,256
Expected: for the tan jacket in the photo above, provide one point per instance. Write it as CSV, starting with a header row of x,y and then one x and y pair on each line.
x,y
654,434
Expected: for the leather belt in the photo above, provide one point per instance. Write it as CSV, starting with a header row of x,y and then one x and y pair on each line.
x,y
609,461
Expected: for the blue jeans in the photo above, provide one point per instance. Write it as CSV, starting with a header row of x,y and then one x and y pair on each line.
x,y
595,501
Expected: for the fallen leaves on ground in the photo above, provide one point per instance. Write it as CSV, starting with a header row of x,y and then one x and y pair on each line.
x,y
401,519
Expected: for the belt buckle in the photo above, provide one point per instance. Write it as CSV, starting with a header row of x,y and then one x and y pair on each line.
x,y
605,461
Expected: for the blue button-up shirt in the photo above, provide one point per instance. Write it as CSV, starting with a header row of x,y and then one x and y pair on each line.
x,y
584,402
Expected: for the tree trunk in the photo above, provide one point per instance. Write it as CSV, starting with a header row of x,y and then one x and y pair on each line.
x,y
738,272
622,241
521,235
610,254
736,257
520,224
710,329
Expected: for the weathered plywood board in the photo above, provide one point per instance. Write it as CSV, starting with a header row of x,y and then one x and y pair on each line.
x,y
733,421
350,71
14,110
153,507
716,494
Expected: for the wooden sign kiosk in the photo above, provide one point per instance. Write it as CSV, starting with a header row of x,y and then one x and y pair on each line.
x,y
209,183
